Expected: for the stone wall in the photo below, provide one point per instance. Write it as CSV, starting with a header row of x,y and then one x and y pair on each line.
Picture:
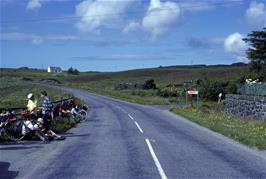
x,y
246,106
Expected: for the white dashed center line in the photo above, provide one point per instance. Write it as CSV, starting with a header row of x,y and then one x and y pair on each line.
x,y
138,127
130,117
156,161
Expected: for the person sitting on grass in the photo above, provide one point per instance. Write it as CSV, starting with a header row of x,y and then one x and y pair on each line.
x,y
49,133
29,126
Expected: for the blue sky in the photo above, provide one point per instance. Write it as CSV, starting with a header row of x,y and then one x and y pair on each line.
x,y
114,35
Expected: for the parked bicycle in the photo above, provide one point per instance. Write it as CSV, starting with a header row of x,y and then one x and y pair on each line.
x,y
16,127
23,125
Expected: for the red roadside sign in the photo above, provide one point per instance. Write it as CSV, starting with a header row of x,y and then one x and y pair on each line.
x,y
192,92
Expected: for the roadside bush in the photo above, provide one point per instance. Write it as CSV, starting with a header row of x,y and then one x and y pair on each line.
x,y
169,92
149,84
210,89
231,88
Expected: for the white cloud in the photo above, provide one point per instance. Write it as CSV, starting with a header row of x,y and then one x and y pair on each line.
x,y
37,41
100,13
34,38
132,26
34,4
207,5
196,6
235,45
242,59
160,17
37,4
86,39
255,14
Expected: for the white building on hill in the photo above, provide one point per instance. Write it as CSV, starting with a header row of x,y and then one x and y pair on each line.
x,y
54,69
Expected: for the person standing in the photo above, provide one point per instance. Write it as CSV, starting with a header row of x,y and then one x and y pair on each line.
x,y
46,121
47,109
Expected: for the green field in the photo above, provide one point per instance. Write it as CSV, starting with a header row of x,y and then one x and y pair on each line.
x,y
103,83
13,93
246,131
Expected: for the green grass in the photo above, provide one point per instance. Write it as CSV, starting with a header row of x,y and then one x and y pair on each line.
x,y
63,124
246,131
13,93
103,83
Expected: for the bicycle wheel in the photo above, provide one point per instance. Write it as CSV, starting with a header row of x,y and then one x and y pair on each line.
x,y
82,115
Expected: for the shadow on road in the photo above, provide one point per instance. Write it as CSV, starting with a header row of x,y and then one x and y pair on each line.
x,y
5,173
23,142
77,135
19,147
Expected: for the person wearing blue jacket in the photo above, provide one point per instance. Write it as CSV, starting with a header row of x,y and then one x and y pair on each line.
x,y
47,111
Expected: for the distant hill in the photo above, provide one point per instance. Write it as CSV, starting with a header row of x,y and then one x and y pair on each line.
x,y
161,75
204,66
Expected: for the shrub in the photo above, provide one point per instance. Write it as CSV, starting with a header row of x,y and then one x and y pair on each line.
x,y
72,71
169,92
149,84
210,89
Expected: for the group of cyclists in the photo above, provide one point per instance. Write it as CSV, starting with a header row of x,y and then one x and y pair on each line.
x,y
40,123
37,120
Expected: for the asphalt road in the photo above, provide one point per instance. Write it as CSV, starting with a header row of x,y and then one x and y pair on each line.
x,y
124,140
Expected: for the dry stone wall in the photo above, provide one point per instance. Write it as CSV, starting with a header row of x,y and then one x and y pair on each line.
x,y
246,106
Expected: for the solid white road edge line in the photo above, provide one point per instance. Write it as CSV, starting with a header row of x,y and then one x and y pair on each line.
x,y
130,116
156,161
138,127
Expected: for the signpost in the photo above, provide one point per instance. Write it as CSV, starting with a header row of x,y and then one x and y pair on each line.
x,y
191,93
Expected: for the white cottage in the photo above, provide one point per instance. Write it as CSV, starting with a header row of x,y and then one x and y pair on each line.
x,y
54,69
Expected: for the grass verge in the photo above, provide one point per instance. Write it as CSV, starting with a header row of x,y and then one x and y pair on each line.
x,y
246,131
13,94
63,124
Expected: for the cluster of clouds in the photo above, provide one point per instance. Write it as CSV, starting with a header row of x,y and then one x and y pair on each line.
x,y
96,15
100,14
159,17
156,20
256,18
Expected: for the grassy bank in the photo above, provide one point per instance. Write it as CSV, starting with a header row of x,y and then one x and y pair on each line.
x,y
246,131
13,94
63,124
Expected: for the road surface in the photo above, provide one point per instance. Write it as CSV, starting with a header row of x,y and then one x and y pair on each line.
x,y
125,140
